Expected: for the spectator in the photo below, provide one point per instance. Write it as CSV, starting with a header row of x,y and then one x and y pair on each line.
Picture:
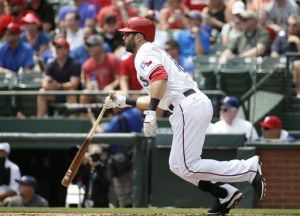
x,y
38,40
278,12
289,41
154,5
45,13
120,8
119,162
99,3
86,11
233,28
172,48
193,41
255,41
9,172
61,74
230,122
263,23
74,33
27,196
100,67
110,32
3,6
215,14
128,78
161,36
15,54
96,180
194,5
16,12
171,16
81,53
271,128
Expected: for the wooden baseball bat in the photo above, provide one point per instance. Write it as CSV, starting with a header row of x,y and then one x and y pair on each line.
x,y
73,168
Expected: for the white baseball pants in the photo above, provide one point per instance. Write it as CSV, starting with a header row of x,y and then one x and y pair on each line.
x,y
189,121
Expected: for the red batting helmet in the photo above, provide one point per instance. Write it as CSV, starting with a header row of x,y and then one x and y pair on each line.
x,y
141,25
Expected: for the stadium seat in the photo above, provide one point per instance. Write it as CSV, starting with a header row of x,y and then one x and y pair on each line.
x,y
206,66
27,104
235,81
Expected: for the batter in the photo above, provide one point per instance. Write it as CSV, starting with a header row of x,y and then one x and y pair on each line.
x,y
170,88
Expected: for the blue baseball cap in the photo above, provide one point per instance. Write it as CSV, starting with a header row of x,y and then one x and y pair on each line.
x,y
27,180
231,101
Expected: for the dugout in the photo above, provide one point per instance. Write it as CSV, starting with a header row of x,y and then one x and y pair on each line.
x,y
39,148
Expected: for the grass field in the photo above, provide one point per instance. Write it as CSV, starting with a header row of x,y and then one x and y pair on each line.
x,y
135,211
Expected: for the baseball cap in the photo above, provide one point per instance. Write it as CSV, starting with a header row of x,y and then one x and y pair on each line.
x,y
194,14
61,42
94,40
31,19
238,7
231,101
271,122
14,28
27,180
5,147
247,14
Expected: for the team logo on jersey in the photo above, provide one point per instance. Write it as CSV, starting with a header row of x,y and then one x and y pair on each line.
x,y
145,64
145,82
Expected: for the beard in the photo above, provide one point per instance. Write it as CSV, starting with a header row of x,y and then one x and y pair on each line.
x,y
130,46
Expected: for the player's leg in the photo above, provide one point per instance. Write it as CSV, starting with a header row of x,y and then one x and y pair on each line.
x,y
189,123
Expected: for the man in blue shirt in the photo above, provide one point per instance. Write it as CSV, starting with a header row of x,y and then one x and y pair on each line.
x,y
85,10
128,120
193,41
15,54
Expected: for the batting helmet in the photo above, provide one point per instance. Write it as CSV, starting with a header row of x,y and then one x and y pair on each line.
x,y
141,25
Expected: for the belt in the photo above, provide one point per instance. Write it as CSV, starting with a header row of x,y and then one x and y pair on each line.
x,y
186,94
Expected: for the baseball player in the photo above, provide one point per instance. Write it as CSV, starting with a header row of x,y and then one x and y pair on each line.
x,y
170,88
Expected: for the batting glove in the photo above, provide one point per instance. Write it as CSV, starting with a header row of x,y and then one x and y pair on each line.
x,y
150,124
116,101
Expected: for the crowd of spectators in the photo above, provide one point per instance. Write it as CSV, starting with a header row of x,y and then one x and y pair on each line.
x,y
30,29
77,46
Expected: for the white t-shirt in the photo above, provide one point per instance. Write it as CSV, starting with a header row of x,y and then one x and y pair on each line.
x,y
14,174
75,39
148,58
238,126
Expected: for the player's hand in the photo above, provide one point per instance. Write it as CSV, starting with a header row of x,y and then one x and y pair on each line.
x,y
150,124
114,101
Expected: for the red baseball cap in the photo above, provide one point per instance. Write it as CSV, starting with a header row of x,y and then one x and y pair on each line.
x,y
61,42
271,122
31,19
14,28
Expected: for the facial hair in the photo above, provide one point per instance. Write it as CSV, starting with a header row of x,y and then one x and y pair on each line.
x,y
130,46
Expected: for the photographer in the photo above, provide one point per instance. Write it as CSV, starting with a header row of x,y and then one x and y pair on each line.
x,y
8,173
95,180
119,163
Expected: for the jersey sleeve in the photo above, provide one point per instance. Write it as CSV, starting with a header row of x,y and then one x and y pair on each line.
x,y
147,62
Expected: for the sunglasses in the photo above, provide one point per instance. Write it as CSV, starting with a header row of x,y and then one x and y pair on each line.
x,y
59,47
224,110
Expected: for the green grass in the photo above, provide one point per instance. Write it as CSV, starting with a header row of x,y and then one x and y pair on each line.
x,y
149,211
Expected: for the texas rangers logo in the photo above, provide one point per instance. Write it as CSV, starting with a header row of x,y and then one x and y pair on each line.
x,y
146,64
144,82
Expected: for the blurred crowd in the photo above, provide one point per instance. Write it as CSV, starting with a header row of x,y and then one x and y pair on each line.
x,y
77,46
